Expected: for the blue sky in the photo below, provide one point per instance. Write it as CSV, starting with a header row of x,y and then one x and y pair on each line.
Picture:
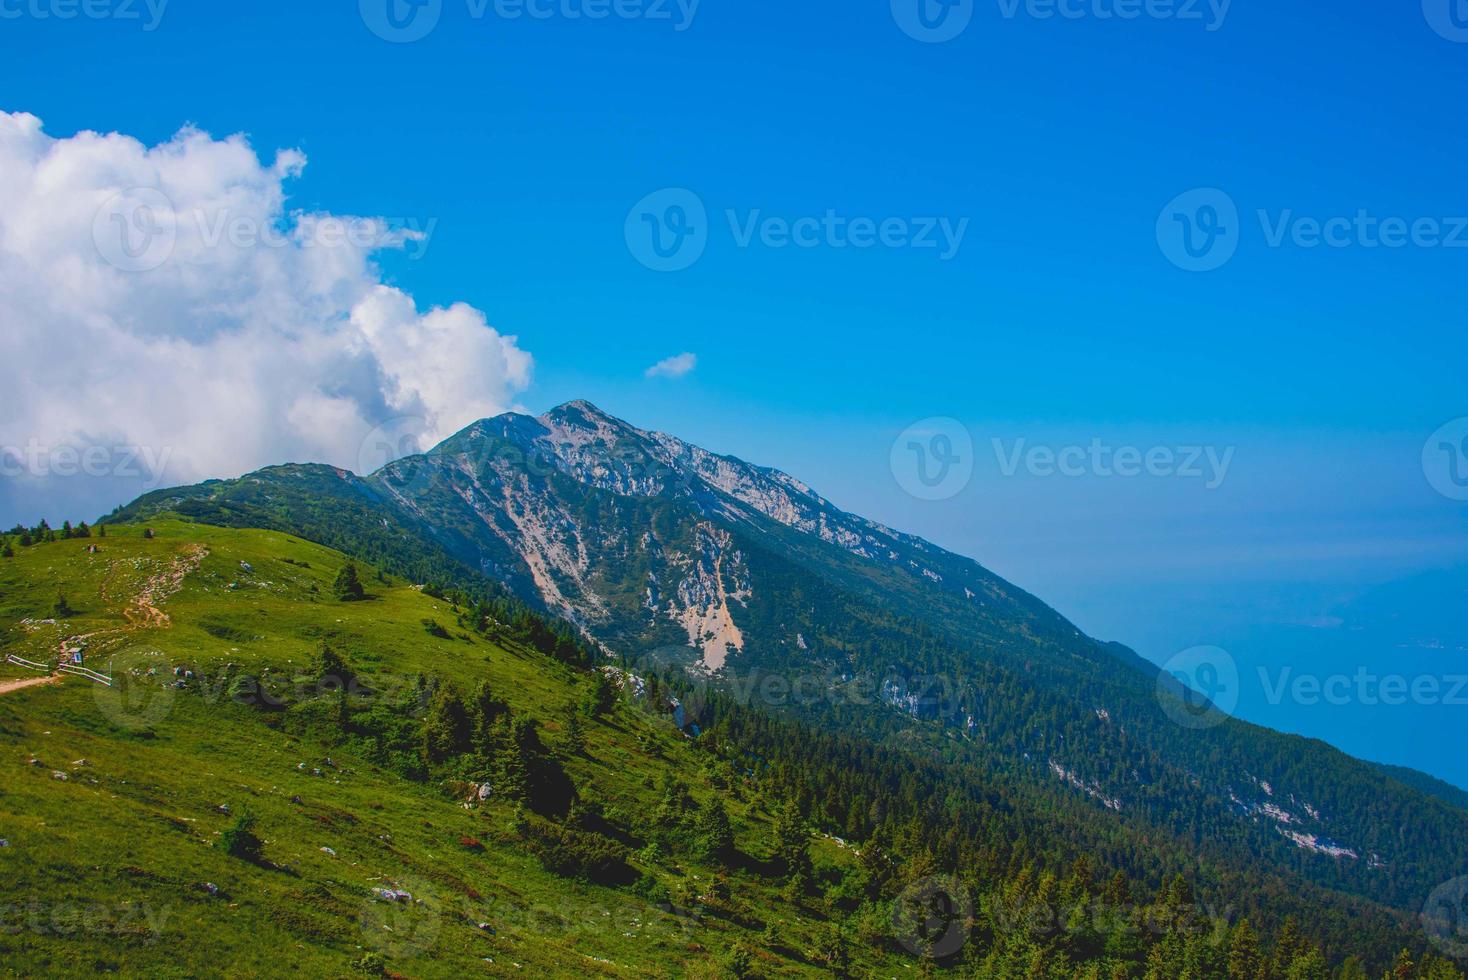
x,y
526,142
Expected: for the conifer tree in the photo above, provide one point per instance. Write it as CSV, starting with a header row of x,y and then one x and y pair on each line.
x,y
716,833
446,727
792,843
600,696
573,737
348,587
1245,962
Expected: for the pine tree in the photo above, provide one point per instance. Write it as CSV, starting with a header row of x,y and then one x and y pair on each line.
x,y
601,696
6,551
792,843
834,952
348,587
484,709
240,841
101,530
716,833
1311,965
573,737
1245,962
739,962
446,727
1289,945
515,763
62,609
331,670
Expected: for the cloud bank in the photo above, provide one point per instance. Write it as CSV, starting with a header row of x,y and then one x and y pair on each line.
x,y
166,318
673,367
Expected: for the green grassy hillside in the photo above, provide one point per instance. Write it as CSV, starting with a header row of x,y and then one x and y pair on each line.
x,y
286,774
121,866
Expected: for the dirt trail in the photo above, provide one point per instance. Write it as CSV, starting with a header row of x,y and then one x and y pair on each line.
x,y
142,612
8,687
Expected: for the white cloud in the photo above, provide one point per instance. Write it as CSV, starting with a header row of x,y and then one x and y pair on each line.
x,y
673,367
166,298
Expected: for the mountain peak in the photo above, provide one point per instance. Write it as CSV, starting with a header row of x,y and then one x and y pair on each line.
x,y
580,406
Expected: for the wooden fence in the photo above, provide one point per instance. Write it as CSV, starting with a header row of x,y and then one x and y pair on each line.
x,y
11,658
90,675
